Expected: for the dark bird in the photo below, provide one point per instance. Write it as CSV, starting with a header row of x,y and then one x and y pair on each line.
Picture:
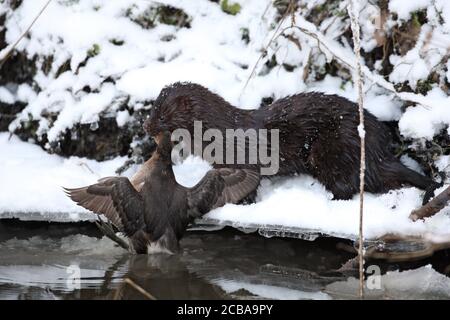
x,y
317,134
153,210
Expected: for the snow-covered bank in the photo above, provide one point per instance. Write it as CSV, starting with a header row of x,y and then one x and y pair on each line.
x,y
32,179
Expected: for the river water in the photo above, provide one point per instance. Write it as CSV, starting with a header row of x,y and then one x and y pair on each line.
x,y
73,261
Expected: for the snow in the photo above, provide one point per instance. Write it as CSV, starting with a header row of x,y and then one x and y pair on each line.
x,y
32,181
421,283
424,122
122,118
361,131
405,8
302,202
6,96
443,163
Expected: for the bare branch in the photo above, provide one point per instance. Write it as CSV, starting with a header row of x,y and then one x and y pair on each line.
x,y
353,11
434,206
6,52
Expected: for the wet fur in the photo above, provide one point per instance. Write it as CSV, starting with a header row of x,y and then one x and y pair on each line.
x,y
318,136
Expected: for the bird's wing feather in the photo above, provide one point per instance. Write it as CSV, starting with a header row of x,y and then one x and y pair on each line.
x,y
220,186
103,204
114,197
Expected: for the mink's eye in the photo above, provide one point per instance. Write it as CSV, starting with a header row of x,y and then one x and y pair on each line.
x,y
161,118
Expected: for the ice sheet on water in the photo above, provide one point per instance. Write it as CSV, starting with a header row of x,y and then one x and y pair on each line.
x,y
421,283
50,216
48,263
270,291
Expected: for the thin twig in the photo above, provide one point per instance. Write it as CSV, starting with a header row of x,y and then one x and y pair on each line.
x,y
6,52
275,35
377,79
354,17
139,289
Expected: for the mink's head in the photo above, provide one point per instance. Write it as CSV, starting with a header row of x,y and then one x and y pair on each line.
x,y
173,109
179,105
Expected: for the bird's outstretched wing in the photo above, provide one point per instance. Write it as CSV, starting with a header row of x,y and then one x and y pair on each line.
x,y
116,198
220,186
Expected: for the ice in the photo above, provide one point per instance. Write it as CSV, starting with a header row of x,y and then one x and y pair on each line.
x,y
271,292
421,283
58,259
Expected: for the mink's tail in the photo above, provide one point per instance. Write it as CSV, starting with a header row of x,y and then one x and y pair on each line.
x,y
429,192
404,175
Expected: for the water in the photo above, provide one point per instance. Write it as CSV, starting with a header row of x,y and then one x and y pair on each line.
x,y
43,261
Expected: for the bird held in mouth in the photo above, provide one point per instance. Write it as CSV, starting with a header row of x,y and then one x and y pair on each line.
x,y
153,210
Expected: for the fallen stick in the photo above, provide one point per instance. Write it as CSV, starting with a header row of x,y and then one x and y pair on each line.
x,y
434,206
139,289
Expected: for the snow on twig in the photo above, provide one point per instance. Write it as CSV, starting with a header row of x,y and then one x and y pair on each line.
x,y
353,11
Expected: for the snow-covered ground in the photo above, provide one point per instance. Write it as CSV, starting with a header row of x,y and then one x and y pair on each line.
x,y
117,59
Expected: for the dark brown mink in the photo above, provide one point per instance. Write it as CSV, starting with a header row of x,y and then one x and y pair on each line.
x,y
318,136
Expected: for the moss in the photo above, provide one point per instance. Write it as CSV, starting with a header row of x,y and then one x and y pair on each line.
x,y
419,18
172,16
415,20
288,67
423,86
245,35
63,68
272,63
47,65
117,42
322,11
94,50
230,8
162,14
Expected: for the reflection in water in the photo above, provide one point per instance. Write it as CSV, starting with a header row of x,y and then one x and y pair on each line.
x,y
41,262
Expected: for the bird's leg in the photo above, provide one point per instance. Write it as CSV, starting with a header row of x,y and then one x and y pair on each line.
x,y
107,229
